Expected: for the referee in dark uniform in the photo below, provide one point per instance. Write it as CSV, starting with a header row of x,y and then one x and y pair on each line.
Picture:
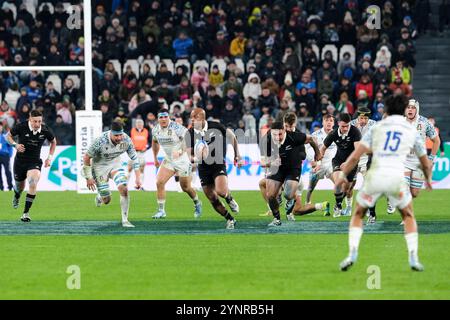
x,y
212,168
283,152
346,137
31,136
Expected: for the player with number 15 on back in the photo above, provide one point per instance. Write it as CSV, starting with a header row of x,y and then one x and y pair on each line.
x,y
27,163
390,142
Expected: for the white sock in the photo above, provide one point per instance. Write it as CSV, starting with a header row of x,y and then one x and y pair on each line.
x,y
124,205
161,205
354,237
349,201
318,206
412,242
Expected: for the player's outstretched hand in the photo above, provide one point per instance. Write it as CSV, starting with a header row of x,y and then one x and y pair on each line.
x,y
318,156
157,163
20,148
138,184
47,163
91,184
428,185
239,162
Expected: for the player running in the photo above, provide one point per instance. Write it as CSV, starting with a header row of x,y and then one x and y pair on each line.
x,y
346,138
321,169
27,163
102,162
207,142
139,136
171,137
390,141
282,152
295,207
364,124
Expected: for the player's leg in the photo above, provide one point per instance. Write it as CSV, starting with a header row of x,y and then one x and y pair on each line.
x,y
120,179
338,195
221,187
349,199
20,176
365,199
417,181
272,190
313,180
186,186
164,174
213,198
33,179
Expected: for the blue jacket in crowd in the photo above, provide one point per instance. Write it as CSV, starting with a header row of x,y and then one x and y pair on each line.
x,y
5,148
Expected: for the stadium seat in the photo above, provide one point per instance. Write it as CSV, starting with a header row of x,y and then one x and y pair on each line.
x,y
221,64
134,64
76,80
333,49
56,80
201,63
31,7
50,7
240,64
117,66
151,64
169,64
12,7
186,63
350,49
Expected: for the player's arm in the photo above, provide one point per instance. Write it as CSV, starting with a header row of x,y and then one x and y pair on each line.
x,y
155,150
313,143
353,158
9,138
49,159
234,142
427,165
327,142
436,144
87,172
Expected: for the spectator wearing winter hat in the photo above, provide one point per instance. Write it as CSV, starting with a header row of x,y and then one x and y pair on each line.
x,y
383,57
345,62
199,80
220,46
252,89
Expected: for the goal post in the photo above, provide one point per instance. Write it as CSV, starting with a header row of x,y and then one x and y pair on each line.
x,y
88,123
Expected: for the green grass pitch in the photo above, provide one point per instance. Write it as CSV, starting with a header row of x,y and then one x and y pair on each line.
x,y
181,258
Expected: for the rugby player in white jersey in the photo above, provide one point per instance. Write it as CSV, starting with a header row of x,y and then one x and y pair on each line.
x,y
102,162
413,173
364,124
321,169
170,135
389,141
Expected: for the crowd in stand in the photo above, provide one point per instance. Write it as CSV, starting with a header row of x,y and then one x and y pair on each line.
x,y
259,59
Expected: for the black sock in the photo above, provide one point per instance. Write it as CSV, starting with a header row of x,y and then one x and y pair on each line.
x,y
228,198
177,179
275,208
16,194
372,212
228,216
339,197
29,202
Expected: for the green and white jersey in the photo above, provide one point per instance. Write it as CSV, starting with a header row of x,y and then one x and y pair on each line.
x,y
425,129
170,138
391,140
103,152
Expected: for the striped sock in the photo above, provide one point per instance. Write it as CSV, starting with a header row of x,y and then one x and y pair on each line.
x,y
28,202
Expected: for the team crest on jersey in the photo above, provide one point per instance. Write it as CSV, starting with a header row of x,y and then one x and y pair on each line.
x,y
419,126
169,132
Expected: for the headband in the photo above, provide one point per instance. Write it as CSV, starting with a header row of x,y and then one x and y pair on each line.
x,y
163,114
116,132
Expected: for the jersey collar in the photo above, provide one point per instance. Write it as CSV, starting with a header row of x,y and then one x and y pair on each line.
x,y
31,129
343,135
